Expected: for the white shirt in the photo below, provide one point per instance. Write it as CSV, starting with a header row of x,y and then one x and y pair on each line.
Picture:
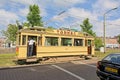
x,y
31,42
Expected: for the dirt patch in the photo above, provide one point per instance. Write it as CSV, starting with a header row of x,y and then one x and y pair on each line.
x,y
69,59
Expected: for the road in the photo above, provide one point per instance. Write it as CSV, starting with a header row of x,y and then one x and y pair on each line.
x,y
74,70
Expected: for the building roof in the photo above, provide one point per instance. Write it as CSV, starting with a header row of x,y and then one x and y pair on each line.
x,y
111,41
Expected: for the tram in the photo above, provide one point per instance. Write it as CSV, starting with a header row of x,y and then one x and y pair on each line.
x,y
52,43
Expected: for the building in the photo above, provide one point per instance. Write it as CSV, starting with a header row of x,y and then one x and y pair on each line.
x,y
2,41
112,43
5,44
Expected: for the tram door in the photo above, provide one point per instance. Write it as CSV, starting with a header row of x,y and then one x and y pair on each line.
x,y
89,47
31,46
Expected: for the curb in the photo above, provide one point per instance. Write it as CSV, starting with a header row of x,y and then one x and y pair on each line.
x,y
25,66
19,66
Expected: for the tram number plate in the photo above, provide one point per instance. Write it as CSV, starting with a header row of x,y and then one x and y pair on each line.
x,y
109,69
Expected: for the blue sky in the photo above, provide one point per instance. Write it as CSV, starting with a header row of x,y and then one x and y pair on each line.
x,y
75,12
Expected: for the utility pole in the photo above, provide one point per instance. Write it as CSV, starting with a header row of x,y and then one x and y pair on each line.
x,y
104,28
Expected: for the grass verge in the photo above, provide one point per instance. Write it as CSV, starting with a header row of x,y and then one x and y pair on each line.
x,y
101,55
7,59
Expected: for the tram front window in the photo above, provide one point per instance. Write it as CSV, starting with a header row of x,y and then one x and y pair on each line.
x,y
24,40
51,41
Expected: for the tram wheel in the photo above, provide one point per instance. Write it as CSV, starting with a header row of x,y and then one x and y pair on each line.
x,y
21,62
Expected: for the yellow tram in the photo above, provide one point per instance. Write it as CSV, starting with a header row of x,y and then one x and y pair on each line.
x,y
53,43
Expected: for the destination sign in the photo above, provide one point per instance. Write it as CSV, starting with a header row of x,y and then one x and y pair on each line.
x,y
66,32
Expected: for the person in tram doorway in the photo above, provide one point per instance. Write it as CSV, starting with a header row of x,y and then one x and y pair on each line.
x,y
31,43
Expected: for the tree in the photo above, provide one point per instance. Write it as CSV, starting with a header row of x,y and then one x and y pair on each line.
x,y
87,27
26,24
98,43
10,33
50,28
33,16
119,38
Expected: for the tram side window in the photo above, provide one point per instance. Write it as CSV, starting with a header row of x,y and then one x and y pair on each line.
x,y
66,42
39,41
24,40
51,41
89,42
86,42
19,40
78,42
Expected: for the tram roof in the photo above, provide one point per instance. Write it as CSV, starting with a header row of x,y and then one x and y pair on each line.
x,y
50,31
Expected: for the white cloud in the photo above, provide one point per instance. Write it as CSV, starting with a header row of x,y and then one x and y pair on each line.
x,y
2,2
30,2
113,27
25,2
76,13
81,13
97,27
24,11
101,6
7,17
106,4
65,3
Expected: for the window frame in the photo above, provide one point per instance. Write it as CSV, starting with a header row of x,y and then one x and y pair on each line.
x,y
80,43
68,44
52,43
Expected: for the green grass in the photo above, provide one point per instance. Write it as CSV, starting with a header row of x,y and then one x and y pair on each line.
x,y
7,59
101,55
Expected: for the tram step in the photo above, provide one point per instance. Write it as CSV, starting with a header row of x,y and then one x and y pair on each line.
x,y
31,60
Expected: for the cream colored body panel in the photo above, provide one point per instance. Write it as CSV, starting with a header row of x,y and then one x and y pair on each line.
x,y
60,51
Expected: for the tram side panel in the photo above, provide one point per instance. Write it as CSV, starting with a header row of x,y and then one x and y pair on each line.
x,y
53,51
93,50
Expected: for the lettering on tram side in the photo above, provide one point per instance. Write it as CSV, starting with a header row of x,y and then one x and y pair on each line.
x,y
65,32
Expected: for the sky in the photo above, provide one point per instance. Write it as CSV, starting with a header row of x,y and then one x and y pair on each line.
x,y
65,13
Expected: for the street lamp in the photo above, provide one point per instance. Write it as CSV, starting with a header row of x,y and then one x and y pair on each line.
x,y
104,27
50,20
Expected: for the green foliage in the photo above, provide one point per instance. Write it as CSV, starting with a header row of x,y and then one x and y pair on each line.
x,y
119,38
10,33
98,43
25,24
50,27
87,27
100,55
33,16
75,30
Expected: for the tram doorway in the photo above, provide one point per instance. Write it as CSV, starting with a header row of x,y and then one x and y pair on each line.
x,y
31,46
